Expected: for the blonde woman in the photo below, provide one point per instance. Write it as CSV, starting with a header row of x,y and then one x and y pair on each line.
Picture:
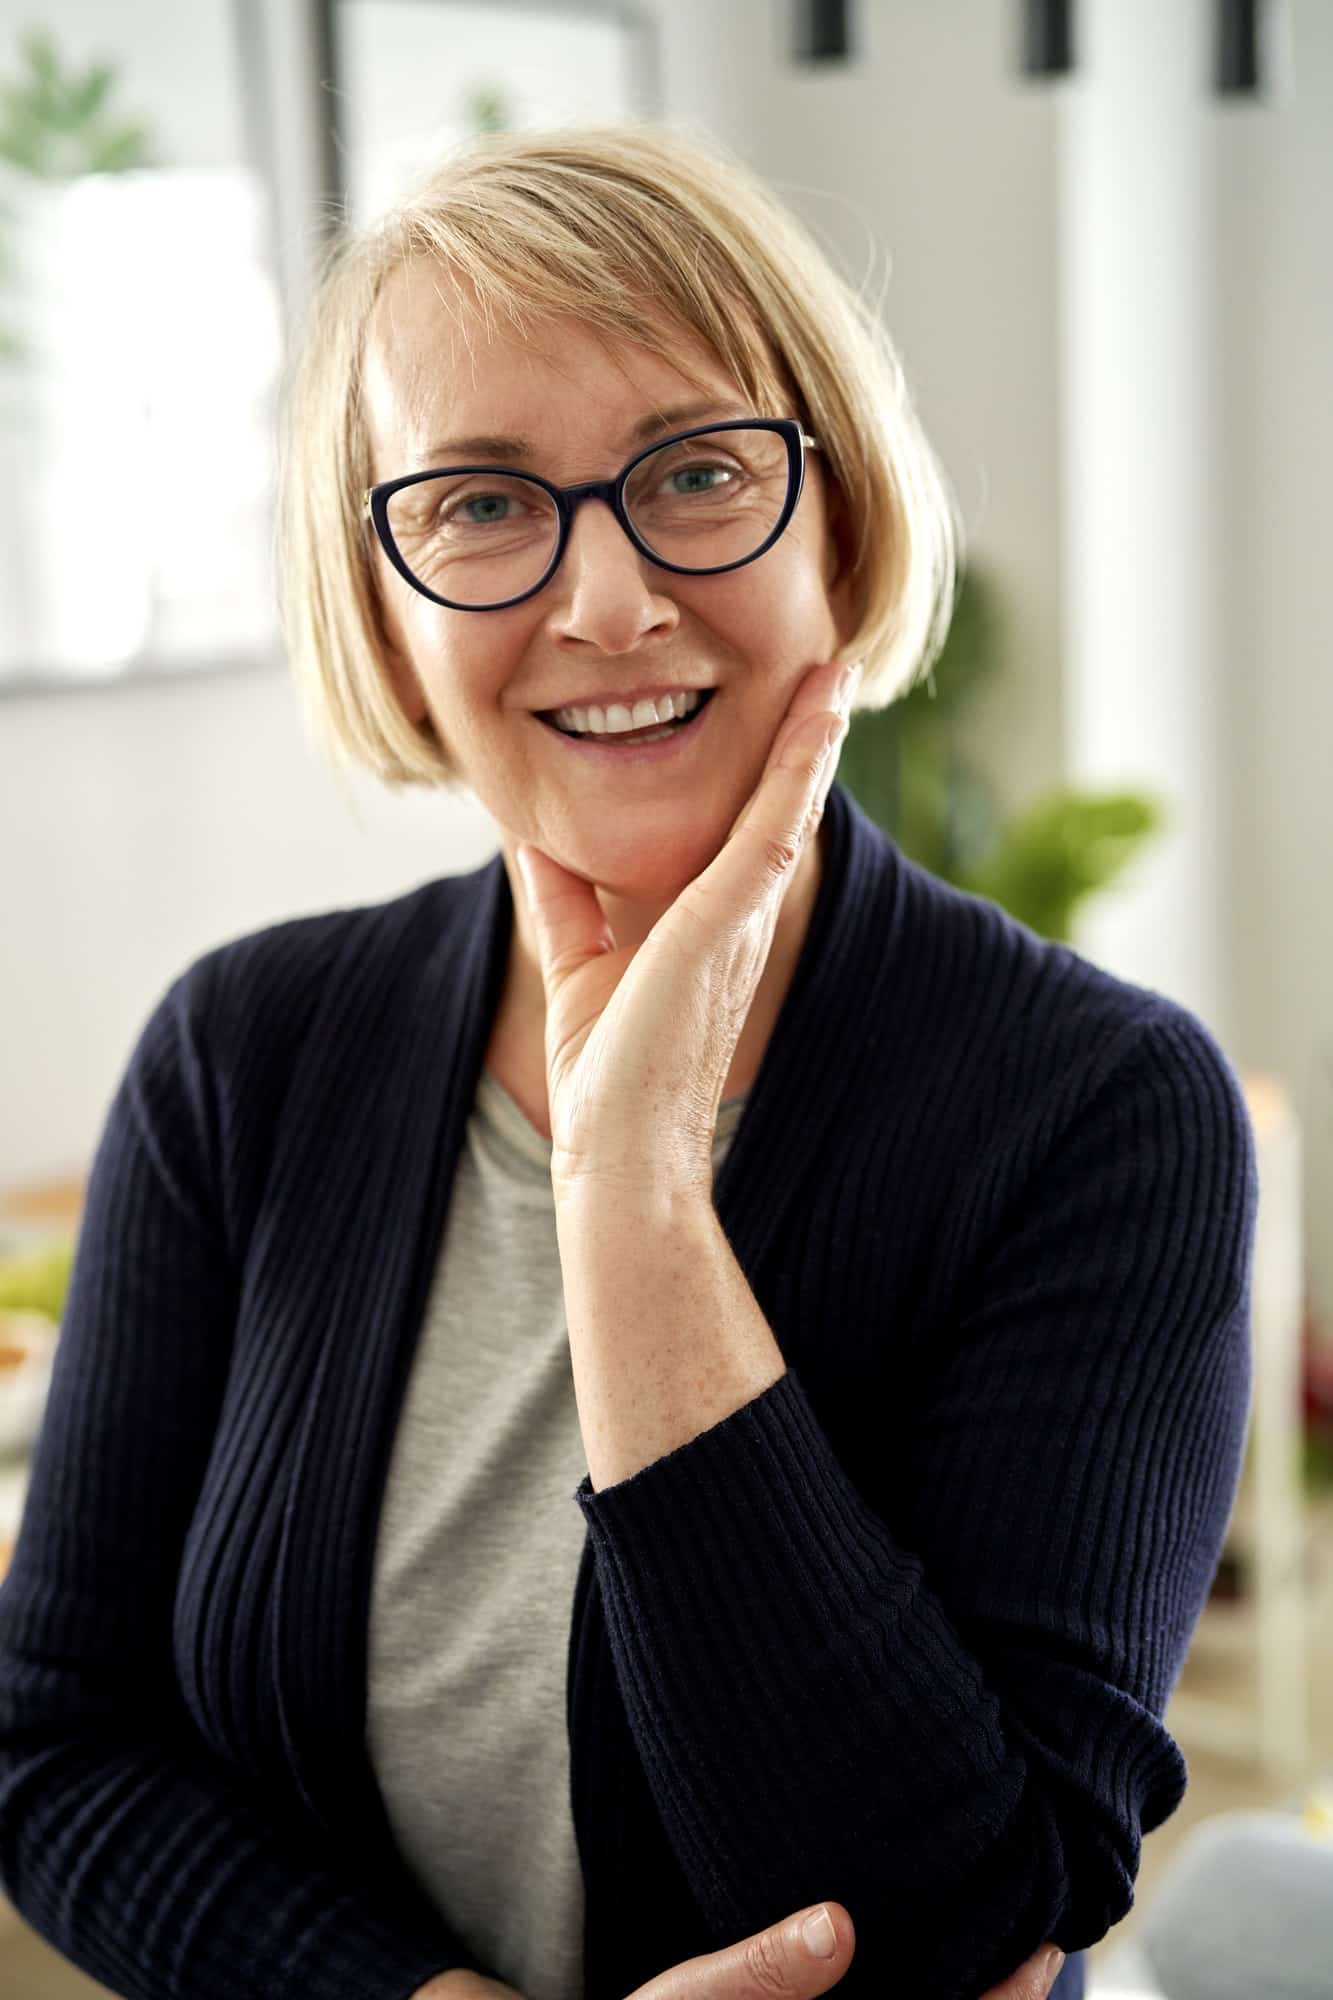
x,y
690,1373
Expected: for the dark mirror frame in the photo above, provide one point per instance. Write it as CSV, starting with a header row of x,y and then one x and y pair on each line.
x,y
640,30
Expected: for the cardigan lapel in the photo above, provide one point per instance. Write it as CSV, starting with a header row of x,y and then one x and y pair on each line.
x,y
379,1137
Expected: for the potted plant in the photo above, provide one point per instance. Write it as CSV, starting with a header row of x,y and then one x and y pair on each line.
x,y
906,769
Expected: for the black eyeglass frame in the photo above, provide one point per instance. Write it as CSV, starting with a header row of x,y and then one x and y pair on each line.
x,y
375,504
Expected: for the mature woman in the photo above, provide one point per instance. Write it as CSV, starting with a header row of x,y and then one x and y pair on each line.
x,y
871,1272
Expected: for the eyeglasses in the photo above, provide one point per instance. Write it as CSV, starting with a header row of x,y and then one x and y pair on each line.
x,y
480,537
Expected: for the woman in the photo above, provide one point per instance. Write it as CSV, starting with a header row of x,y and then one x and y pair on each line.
x,y
872,1272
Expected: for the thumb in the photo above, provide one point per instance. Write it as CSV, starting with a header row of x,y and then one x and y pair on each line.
x,y
567,919
779,1960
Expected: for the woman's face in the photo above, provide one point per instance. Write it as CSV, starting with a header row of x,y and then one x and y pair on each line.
x,y
609,621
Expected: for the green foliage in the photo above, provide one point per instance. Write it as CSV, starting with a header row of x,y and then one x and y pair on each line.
x,y
905,769
1065,846
37,1280
55,123
486,108
1317,1462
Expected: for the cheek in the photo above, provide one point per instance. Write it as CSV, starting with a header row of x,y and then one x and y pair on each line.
x,y
468,662
777,608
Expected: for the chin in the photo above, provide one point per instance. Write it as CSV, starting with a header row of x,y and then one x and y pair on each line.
x,y
660,871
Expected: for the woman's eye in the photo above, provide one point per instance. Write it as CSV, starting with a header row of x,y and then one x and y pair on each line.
x,y
697,471
479,509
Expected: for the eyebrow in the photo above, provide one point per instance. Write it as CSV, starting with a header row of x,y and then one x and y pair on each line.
x,y
461,449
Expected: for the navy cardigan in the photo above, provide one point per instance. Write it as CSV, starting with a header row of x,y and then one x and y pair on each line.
x,y
900,1631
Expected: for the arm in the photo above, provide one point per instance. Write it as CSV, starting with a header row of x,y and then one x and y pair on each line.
x,y
644,1379
132,1848
945,1709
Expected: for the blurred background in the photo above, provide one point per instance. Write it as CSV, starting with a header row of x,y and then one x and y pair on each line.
x,y
1100,236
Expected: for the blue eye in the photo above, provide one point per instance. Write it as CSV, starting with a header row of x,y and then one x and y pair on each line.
x,y
485,500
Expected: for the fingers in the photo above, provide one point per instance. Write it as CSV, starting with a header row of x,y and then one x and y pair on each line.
x,y
787,805
830,688
827,692
1034,1978
777,1961
780,1961
809,779
831,685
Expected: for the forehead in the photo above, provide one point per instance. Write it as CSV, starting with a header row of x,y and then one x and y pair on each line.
x,y
433,368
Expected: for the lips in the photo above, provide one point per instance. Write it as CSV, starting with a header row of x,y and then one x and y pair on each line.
x,y
613,700
611,736
608,753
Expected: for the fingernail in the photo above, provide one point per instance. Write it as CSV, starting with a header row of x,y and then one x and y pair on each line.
x,y
821,1940
1051,1964
849,678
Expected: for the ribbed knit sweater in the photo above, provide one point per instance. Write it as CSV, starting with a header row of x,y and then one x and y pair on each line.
x,y
901,1631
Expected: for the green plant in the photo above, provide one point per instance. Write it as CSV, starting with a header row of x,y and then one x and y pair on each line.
x,y
904,766
486,108
55,123
1317,1463
37,1280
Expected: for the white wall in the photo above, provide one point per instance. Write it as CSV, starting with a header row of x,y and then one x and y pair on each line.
x,y
1273,192
142,825
1139,413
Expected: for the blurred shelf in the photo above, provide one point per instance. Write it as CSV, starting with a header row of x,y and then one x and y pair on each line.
x,y
34,1208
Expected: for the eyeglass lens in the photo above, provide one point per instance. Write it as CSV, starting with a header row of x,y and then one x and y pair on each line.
x,y
480,538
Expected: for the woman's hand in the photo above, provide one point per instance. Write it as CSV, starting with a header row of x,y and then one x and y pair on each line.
x,y
464,1984
777,1961
639,1043
773,1961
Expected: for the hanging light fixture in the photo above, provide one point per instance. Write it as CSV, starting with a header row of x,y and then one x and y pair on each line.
x,y
823,31
1239,51
1047,37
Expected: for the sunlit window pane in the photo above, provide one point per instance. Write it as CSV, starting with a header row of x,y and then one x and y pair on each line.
x,y
141,426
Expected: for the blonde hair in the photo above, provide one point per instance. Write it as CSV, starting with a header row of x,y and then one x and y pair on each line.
x,y
643,232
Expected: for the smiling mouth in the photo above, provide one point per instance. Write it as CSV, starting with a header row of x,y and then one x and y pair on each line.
x,y
626,736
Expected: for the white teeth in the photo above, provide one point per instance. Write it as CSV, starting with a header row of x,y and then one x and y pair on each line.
x,y
613,721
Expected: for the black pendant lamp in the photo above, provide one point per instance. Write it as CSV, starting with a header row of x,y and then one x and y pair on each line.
x,y
1048,37
1236,48
823,31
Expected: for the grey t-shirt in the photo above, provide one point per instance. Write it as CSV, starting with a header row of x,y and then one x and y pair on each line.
x,y
476,1558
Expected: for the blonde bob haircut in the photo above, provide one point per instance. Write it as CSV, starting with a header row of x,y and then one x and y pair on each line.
x,y
643,232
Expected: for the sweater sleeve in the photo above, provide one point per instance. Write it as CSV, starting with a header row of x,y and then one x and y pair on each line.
x,y
950,1721
125,1841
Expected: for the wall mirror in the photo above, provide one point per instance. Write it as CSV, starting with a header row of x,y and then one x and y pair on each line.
x,y
411,78
140,345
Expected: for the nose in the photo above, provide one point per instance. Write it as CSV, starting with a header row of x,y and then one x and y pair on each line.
x,y
605,590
